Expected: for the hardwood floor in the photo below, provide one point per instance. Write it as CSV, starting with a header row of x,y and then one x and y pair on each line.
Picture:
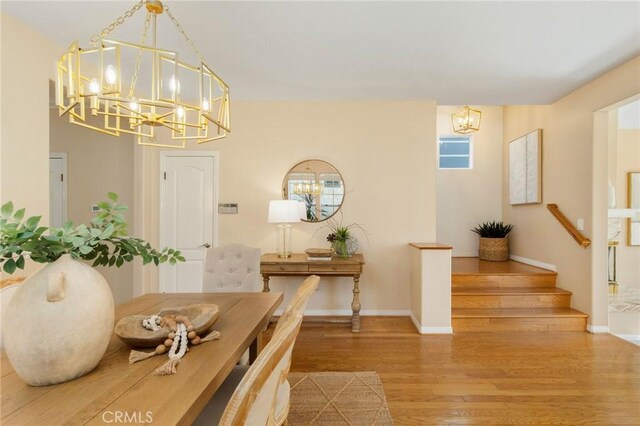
x,y
483,378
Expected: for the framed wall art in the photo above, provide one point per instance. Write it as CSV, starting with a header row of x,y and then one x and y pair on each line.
x,y
525,169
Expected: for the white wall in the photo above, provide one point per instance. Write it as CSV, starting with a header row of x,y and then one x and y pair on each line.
x,y
469,197
27,67
629,116
386,153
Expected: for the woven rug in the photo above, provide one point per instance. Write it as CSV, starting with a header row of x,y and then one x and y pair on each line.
x,y
338,399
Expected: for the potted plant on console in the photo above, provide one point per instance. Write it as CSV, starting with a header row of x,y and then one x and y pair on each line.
x,y
58,323
494,242
342,239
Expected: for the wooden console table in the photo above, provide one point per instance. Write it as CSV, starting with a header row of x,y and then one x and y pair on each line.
x,y
298,265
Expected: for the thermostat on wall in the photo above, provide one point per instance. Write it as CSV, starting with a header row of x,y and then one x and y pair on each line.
x,y
95,208
228,208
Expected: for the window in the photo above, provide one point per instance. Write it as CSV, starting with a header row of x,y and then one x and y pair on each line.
x,y
455,152
332,193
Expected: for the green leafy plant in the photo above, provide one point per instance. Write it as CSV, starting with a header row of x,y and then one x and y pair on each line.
x,y
104,240
494,229
309,205
339,234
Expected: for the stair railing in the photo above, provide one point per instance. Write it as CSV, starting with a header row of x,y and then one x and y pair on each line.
x,y
566,223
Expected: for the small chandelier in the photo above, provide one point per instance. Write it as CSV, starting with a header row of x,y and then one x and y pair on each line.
x,y
308,187
466,120
117,87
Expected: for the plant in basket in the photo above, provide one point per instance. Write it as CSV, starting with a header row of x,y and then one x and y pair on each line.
x,y
494,243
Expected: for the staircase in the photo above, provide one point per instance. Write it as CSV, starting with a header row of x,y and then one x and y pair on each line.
x,y
509,296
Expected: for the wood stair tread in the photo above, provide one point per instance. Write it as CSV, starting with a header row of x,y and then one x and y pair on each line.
x,y
465,266
502,291
516,313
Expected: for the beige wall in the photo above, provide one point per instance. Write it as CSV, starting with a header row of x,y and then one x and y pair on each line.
x,y
568,174
30,58
628,160
96,164
468,197
28,62
386,153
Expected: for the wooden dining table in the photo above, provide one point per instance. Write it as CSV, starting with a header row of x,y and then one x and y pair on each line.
x,y
117,392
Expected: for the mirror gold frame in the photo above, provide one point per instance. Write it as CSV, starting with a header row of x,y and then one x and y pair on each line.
x,y
332,189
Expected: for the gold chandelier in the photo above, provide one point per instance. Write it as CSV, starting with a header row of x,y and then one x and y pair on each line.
x,y
118,87
308,187
466,120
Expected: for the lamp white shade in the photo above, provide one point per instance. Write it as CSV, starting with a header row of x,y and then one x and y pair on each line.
x,y
284,211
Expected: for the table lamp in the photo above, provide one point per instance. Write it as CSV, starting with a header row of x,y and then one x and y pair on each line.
x,y
284,213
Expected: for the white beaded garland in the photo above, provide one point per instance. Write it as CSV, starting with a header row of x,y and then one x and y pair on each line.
x,y
152,323
180,339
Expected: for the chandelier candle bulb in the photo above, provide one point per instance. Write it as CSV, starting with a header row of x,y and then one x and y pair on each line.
x,y
174,85
110,75
94,87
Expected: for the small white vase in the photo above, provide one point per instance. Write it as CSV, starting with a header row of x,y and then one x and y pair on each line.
x,y
58,323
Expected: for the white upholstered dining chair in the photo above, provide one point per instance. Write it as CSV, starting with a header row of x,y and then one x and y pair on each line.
x,y
232,268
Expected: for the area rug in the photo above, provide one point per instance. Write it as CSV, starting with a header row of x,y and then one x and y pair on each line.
x,y
627,300
332,398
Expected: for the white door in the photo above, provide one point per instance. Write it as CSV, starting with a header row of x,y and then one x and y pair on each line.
x,y
187,216
57,189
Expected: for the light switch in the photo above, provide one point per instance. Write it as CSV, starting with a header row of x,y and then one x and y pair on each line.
x,y
228,208
580,225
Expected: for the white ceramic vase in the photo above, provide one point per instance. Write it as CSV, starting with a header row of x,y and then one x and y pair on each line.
x,y
58,323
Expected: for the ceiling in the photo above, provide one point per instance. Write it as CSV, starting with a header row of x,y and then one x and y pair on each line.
x,y
490,53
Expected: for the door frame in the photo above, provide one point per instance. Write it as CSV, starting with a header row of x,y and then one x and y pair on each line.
x,y
215,155
62,156
599,316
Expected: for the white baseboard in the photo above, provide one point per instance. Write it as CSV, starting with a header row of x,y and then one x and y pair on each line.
x,y
415,322
349,312
596,329
429,330
533,262
632,338
436,330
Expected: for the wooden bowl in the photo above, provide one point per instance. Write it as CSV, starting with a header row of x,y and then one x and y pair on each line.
x,y
319,252
130,330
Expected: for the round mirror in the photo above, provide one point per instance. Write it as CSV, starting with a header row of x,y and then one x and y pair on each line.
x,y
318,185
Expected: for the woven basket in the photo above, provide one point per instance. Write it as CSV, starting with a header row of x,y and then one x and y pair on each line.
x,y
494,249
